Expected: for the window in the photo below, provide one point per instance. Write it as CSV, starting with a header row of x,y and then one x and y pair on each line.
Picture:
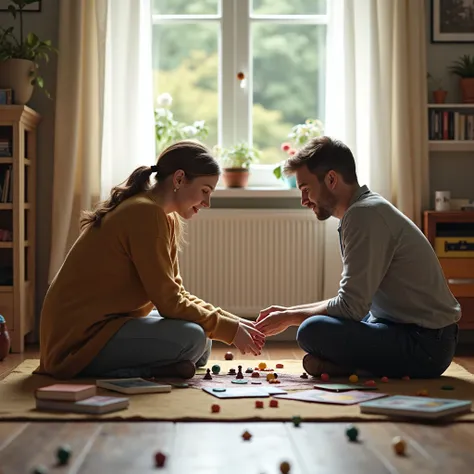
x,y
200,46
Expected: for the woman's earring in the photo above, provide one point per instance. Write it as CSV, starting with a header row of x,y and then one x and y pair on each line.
x,y
174,189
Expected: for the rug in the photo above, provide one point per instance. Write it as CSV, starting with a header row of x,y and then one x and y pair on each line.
x,y
193,404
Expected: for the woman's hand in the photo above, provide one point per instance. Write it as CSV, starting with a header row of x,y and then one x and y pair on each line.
x,y
248,339
272,309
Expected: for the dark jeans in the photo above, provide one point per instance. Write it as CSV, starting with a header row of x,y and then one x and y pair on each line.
x,y
380,347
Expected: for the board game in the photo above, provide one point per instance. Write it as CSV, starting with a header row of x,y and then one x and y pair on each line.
x,y
339,398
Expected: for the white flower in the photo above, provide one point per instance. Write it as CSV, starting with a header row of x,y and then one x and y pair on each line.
x,y
164,100
190,131
199,123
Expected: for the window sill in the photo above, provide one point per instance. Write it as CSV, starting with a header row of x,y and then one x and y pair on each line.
x,y
256,192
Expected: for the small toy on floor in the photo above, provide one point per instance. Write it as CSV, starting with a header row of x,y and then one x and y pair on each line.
x,y
160,459
352,432
229,356
399,445
63,454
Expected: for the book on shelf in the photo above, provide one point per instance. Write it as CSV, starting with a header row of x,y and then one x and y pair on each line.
x,y
416,407
66,392
96,405
450,124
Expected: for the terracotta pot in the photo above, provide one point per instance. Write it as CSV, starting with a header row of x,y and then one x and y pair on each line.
x,y
16,74
467,89
236,177
4,339
439,96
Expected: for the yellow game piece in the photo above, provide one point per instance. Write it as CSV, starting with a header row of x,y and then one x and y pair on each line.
x,y
399,445
262,366
270,376
353,378
422,393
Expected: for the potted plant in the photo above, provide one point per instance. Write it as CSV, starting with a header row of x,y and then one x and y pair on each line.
x,y
439,93
464,68
19,57
169,131
299,135
236,161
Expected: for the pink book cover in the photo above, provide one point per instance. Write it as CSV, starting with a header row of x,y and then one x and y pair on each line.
x,y
64,391
65,387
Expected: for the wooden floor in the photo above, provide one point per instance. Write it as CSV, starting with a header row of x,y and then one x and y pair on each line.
x,y
198,448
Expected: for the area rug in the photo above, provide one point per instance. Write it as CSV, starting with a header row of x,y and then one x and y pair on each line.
x,y
193,404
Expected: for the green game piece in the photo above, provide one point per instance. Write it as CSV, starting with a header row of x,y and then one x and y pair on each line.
x,y
216,369
447,387
63,454
40,470
352,432
218,389
296,420
180,385
239,381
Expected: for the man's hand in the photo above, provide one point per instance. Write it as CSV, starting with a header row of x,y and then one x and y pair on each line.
x,y
272,309
275,322
248,339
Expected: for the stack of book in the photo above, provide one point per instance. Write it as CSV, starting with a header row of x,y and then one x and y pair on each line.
x,y
77,398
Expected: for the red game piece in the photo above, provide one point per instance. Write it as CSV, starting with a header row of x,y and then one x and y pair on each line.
x,y
255,375
406,377
160,459
384,379
215,408
324,377
246,435
370,383
274,403
258,404
279,366
229,356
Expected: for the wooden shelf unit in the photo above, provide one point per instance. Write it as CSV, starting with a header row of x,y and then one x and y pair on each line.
x,y
19,124
459,271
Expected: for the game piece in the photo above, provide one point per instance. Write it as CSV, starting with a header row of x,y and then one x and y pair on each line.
x,y
255,375
256,383
270,376
324,377
279,366
246,435
216,369
231,372
353,378
215,408
63,454
219,389
208,375
239,375
399,445
352,432
274,403
275,375
406,377
274,381
284,467
249,370
422,393
384,379
262,366
179,384
370,383
40,470
241,381
296,420
160,459
447,387
258,404
304,375
229,356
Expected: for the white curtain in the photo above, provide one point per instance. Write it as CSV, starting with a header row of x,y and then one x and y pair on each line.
x,y
104,124
376,97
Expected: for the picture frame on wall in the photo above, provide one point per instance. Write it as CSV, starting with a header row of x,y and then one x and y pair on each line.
x,y
33,7
452,21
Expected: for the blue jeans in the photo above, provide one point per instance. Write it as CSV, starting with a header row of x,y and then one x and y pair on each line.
x,y
145,343
380,347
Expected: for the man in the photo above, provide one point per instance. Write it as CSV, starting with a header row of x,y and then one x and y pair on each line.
x,y
394,314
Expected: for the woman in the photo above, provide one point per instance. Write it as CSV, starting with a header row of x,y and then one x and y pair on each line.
x,y
99,317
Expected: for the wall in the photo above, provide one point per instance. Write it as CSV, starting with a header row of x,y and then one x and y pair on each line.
x,y
45,25
451,171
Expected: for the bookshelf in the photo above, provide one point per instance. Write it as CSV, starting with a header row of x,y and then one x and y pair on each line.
x,y
18,156
451,127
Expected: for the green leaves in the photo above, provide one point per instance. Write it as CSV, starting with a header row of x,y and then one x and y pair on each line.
x,y
463,67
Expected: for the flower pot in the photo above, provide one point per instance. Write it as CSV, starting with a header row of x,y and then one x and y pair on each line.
x,y
16,74
4,339
236,177
439,96
467,89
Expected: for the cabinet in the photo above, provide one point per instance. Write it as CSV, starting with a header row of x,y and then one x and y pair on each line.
x,y
18,124
451,234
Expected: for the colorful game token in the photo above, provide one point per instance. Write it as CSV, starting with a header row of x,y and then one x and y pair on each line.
x,y
160,459
324,377
296,420
63,454
353,378
229,356
399,445
270,376
258,404
215,408
384,379
215,369
370,383
255,375
241,381
273,403
279,366
352,432
246,435
284,467
262,366
249,370
218,389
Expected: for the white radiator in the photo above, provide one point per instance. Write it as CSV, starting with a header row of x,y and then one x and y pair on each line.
x,y
244,260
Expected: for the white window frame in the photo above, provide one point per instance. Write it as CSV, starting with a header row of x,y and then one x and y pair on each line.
x,y
235,55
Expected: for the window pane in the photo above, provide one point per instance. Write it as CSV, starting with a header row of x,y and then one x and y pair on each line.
x,y
185,65
185,7
288,82
287,7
